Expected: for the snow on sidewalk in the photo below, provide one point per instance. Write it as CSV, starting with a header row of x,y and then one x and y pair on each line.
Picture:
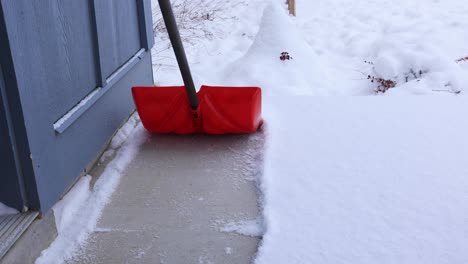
x,y
77,214
366,180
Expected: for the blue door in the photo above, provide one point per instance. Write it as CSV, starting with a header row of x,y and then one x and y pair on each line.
x,y
71,67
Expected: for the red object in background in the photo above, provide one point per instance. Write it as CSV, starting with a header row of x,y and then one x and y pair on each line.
x,y
222,110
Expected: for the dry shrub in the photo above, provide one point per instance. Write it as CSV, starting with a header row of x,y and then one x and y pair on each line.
x,y
462,59
196,20
384,84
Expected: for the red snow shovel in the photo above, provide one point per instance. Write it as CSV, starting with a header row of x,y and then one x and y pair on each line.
x,y
181,110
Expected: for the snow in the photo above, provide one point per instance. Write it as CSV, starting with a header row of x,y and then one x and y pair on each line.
x,y
120,137
253,228
277,34
366,180
78,212
124,132
398,36
353,179
228,250
221,42
68,208
5,210
413,43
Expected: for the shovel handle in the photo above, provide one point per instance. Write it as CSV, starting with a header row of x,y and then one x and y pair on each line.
x,y
174,36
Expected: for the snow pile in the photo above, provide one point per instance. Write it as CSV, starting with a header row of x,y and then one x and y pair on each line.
x,y
5,210
79,211
356,185
261,65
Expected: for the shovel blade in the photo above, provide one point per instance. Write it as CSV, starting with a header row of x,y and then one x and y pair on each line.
x,y
164,110
222,110
230,110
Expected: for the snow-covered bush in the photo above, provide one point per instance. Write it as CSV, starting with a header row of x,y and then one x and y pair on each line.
x,y
418,69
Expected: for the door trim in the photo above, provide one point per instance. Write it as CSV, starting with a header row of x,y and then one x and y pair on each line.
x,y
16,122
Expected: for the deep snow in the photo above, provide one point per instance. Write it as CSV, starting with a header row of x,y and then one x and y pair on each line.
x,y
353,179
413,43
397,36
366,180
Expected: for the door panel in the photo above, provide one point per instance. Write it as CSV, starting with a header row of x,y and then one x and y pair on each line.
x,y
75,51
55,41
118,33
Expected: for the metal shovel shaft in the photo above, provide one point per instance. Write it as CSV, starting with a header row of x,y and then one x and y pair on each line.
x,y
174,36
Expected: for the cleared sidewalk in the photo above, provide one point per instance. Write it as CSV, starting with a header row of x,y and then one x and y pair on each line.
x,y
175,197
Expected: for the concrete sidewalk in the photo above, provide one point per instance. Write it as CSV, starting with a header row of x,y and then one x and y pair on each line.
x,y
173,199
